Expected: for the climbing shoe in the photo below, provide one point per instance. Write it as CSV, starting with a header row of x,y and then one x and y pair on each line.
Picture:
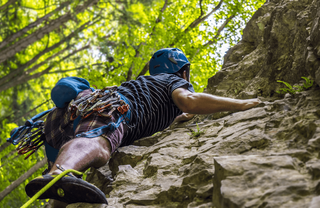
x,y
68,189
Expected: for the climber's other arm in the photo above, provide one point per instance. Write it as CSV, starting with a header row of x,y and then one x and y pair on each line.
x,y
201,103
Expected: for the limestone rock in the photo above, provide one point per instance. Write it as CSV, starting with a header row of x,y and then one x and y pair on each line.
x,y
86,205
315,203
279,43
257,181
267,156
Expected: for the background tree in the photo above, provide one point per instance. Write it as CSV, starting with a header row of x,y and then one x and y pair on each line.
x,y
104,41
38,40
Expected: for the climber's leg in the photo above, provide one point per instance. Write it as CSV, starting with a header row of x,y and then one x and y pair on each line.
x,y
83,153
78,154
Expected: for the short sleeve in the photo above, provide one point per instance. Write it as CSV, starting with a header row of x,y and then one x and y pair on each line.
x,y
177,82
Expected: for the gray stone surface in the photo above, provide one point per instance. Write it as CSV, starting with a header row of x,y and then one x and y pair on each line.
x,y
267,156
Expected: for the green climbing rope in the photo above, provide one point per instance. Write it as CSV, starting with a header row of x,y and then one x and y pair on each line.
x,y
36,196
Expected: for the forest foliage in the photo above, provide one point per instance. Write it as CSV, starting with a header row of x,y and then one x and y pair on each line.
x,y
104,41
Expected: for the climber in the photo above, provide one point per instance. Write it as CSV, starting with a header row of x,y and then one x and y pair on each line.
x,y
154,102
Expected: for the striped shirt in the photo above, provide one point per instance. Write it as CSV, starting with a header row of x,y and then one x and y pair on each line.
x,y
152,106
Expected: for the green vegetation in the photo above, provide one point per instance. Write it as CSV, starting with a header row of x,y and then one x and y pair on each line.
x,y
104,41
196,133
295,88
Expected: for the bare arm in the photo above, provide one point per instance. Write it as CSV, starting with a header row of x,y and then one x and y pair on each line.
x,y
201,103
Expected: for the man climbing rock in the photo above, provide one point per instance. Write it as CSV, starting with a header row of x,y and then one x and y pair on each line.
x,y
91,127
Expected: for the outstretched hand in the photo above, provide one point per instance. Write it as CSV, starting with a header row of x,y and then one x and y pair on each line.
x,y
250,103
181,118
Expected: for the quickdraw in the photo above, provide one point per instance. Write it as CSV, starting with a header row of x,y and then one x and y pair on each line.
x,y
31,142
103,102
30,137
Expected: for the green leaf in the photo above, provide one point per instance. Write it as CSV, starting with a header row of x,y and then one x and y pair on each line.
x,y
287,84
308,83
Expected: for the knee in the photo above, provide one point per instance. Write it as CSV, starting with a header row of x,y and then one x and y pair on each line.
x,y
85,145
98,145
78,143
104,146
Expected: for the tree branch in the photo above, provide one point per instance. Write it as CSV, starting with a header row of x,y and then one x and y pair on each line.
x,y
197,21
19,117
18,80
7,4
25,42
144,70
4,145
132,64
64,71
18,71
214,39
5,163
23,116
201,18
35,67
165,5
30,26
31,8
74,69
6,157
12,77
162,10
146,67
22,178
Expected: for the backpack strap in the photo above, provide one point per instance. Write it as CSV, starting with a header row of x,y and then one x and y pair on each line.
x,y
51,152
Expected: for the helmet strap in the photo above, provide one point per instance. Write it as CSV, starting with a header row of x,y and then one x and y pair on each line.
x,y
184,73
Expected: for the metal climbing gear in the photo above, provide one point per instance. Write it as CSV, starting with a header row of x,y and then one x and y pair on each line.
x,y
30,137
102,102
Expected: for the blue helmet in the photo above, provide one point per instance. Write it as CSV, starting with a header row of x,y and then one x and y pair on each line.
x,y
167,60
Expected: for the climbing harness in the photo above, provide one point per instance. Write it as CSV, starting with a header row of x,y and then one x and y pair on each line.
x,y
30,137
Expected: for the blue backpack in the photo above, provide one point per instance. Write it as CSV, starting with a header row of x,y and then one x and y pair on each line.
x,y
30,137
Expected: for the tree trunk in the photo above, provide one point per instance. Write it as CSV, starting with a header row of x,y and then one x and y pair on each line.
x,y
21,69
54,24
5,145
26,77
22,178
30,26
7,4
144,70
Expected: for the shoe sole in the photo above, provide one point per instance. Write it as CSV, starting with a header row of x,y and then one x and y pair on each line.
x,y
67,189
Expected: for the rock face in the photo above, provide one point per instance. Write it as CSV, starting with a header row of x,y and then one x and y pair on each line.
x,y
267,156
280,42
